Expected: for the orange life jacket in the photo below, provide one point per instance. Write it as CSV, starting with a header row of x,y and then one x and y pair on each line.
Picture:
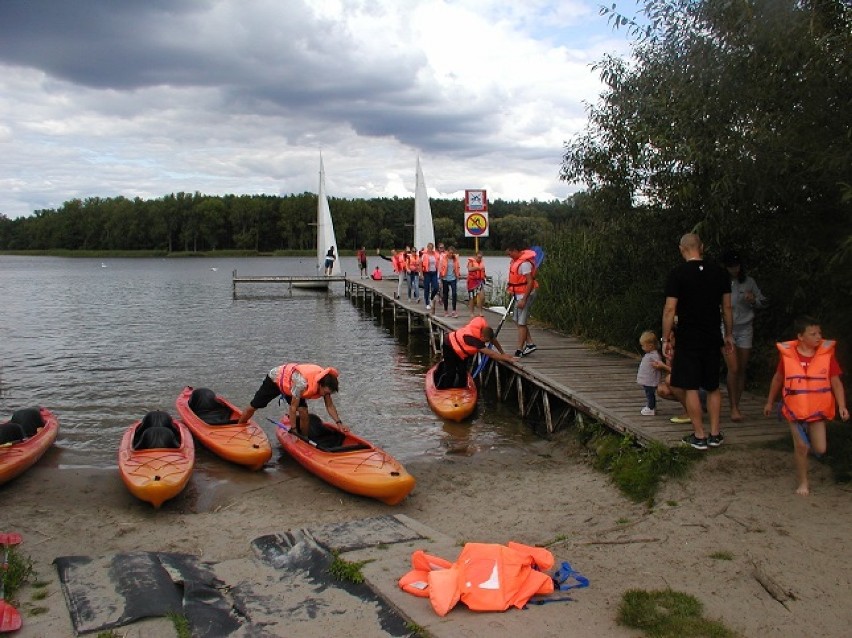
x,y
474,329
398,262
426,260
806,395
412,263
377,274
312,374
475,277
443,263
485,577
517,282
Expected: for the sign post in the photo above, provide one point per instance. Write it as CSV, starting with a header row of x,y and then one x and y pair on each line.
x,y
475,215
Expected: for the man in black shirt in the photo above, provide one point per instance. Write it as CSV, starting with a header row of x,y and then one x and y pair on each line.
x,y
699,294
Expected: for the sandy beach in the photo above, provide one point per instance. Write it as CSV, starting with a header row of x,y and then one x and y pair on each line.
x,y
788,572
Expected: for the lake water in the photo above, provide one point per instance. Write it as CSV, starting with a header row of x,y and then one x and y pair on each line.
x,y
102,342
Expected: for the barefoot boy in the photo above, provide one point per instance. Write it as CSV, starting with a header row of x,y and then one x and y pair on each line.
x,y
810,377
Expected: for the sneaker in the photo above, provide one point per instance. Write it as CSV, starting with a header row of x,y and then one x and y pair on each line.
x,y
428,307
715,440
530,348
455,314
519,354
446,314
694,441
646,411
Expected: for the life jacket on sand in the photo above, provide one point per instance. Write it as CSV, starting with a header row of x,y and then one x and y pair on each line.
x,y
474,329
312,374
485,577
806,395
517,281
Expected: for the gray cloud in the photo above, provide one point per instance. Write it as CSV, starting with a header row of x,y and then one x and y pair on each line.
x,y
108,97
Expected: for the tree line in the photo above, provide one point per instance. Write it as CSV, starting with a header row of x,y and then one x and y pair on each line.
x,y
185,222
732,119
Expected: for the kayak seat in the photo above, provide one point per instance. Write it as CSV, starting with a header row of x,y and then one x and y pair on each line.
x,y
167,433
345,448
11,433
208,408
157,437
29,419
325,437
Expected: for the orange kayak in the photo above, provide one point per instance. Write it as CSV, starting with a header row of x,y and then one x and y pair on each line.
x,y
19,456
212,420
355,466
157,473
455,404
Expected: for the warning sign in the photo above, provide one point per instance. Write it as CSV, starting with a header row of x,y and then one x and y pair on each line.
x,y
476,224
475,201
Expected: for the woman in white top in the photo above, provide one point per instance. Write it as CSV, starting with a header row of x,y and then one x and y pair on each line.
x,y
745,298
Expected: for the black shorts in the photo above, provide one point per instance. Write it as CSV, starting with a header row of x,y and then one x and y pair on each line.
x,y
268,391
693,369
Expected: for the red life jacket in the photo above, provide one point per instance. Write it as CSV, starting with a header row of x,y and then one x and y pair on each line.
x,y
475,277
474,329
485,577
806,395
517,282
312,374
398,262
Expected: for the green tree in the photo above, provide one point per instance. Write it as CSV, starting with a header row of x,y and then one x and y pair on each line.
x,y
732,118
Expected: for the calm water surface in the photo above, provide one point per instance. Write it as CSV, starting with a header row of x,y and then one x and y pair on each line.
x,y
102,342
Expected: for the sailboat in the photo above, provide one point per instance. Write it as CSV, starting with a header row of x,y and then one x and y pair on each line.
x,y
424,230
325,239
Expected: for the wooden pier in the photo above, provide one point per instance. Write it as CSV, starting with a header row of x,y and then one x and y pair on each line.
x,y
301,282
564,376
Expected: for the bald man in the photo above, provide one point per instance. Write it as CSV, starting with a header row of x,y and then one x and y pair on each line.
x,y
698,293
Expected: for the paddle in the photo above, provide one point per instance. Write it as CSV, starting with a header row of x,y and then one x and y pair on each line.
x,y
10,618
539,258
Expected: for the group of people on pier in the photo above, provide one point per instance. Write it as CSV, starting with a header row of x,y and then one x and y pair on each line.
x,y
708,309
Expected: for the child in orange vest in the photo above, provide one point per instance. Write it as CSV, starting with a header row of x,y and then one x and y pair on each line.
x,y
809,375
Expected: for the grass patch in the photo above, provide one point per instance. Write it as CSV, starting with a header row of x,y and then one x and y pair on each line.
x,y
349,571
181,625
37,611
637,471
668,614
415,629
19,571
722,555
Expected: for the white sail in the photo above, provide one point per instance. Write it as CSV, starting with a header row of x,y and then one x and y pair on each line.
x,y
325,229
424,230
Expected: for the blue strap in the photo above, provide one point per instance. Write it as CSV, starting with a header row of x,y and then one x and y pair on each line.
x,y
542,601
560,582
561,576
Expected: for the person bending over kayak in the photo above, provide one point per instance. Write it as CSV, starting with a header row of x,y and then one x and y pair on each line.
x,y
460,345
297,382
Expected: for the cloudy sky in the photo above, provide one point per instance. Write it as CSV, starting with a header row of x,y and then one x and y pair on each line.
x,y
142,98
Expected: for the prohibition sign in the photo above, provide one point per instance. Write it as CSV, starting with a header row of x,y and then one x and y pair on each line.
x,y
476,225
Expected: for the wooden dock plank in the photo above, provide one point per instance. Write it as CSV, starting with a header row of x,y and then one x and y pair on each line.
x,y
595,381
